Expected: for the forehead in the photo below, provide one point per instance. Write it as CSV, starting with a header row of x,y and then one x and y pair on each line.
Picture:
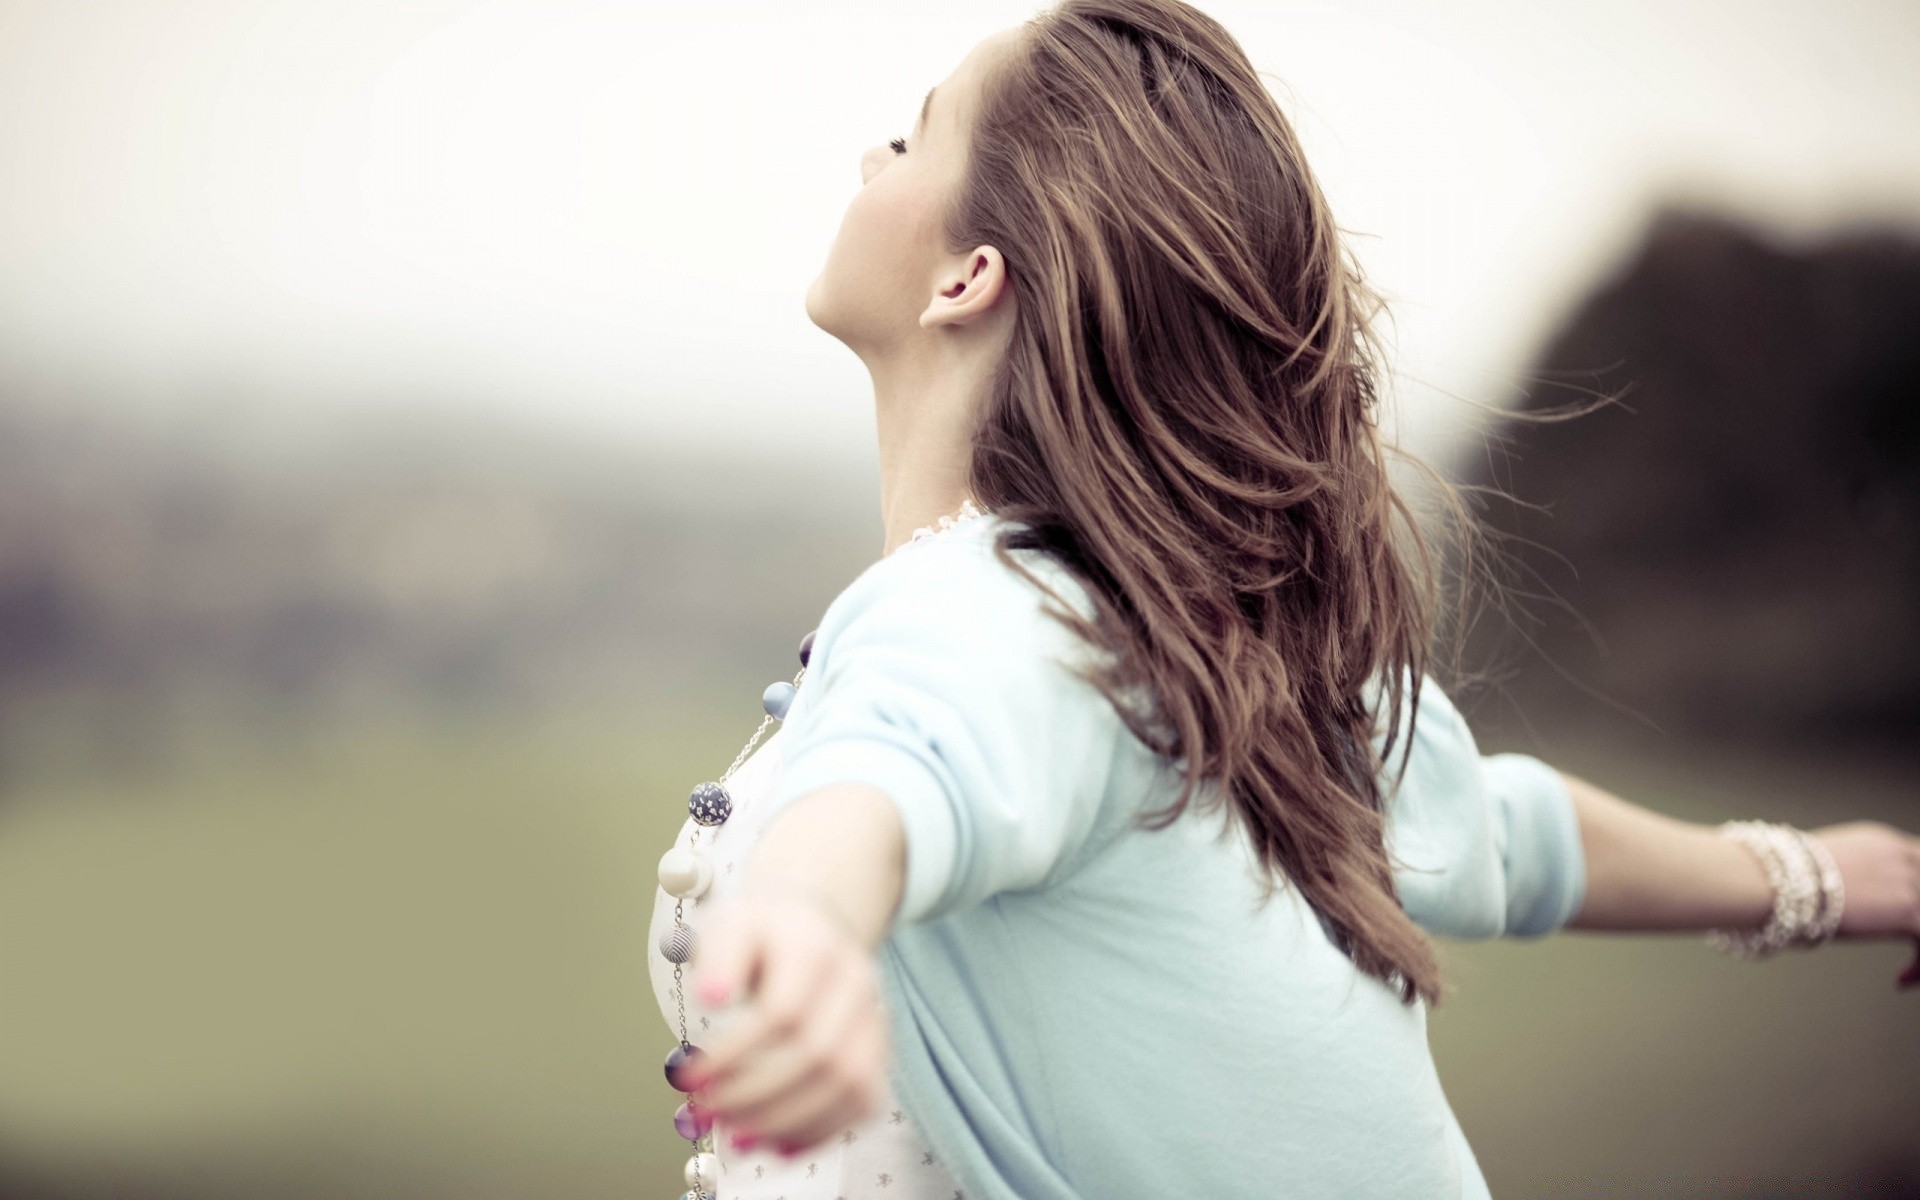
x,y
953,97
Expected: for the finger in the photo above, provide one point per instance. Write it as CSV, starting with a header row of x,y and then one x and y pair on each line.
x,y
837,1098
724,959
866,1065
790,1066
779,1116
788,975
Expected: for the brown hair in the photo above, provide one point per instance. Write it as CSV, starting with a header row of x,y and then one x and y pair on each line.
x,y
1186,418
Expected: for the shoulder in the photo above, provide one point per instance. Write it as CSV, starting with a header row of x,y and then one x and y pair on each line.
x,y
1430,717
953,593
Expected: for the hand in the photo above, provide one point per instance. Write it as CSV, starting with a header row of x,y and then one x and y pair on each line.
x,y
1880,871
810,1056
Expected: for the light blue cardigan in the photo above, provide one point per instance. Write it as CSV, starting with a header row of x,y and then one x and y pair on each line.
x,y
1084,1010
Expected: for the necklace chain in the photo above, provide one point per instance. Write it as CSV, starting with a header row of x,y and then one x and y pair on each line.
x,y
680,935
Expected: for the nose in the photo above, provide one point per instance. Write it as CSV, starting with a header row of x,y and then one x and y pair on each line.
x,y
871,160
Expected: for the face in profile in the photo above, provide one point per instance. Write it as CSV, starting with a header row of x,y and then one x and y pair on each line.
x,y
887,262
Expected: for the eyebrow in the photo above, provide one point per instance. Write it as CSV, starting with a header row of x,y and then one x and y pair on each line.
x,y
925,105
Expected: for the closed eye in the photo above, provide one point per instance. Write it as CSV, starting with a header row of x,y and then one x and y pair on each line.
x,y
899,145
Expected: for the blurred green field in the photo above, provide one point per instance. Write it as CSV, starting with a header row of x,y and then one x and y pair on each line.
x,y
1597,1064
410,961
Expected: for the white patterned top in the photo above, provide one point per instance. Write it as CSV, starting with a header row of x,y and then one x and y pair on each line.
x,y
880,1157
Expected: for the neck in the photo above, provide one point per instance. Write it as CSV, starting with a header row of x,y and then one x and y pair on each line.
x,y
924,412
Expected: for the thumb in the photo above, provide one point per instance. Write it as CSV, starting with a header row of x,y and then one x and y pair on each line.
x,y
725,956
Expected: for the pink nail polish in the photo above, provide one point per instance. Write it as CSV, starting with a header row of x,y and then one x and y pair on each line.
x,y
745,1141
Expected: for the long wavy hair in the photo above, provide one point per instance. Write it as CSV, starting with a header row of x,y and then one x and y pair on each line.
x,y
1187,419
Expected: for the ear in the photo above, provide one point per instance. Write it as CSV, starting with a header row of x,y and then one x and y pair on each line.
x,y
968,292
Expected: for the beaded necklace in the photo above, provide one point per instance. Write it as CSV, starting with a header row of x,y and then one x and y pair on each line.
x,y
686,874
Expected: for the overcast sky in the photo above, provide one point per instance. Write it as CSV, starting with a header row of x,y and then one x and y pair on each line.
x,y
607,214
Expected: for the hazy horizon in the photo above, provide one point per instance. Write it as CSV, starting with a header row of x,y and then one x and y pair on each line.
x,y
478,205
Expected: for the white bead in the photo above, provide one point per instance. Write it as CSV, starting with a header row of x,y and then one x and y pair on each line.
x,y
777,699
709,1167
685,873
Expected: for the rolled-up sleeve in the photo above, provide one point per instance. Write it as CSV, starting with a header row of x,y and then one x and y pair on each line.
x,y
1545,861
939,679
1484,845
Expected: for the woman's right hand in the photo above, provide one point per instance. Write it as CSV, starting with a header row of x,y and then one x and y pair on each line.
x,y
809,1054
1880,873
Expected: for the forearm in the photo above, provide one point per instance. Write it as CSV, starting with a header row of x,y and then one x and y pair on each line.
x,y
1650,871
843,843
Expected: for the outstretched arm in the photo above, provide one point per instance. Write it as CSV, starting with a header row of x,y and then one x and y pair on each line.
x,y
1647,871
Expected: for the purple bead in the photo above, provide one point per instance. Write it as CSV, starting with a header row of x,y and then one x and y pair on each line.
x,y
710,804
691,1121
678,1059
806,647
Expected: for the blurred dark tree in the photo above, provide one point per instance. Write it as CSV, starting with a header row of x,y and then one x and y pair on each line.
x,y
1732,548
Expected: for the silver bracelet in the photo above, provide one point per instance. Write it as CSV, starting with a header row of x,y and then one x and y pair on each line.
x,y
1807,898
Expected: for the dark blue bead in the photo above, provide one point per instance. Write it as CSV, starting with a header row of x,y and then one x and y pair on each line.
x,y
806,647
710,804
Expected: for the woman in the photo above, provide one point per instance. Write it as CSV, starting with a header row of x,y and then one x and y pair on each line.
x,y
1077,867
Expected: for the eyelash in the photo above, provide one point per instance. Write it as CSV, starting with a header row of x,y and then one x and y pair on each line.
x,y
899,145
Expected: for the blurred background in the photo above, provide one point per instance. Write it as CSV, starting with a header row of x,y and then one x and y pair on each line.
x,y
415,459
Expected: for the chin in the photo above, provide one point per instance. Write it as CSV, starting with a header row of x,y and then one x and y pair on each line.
x,y
821,309
815,309
826,315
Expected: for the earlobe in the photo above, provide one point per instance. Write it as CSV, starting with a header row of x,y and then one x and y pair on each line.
x,y
945,310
